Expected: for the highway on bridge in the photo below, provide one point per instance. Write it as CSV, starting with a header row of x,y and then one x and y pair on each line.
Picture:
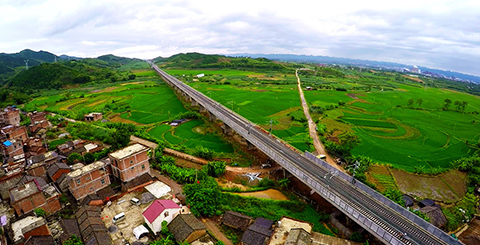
x,y
388,225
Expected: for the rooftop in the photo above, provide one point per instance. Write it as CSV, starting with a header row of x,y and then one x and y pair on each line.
x,y
157,207
20,192
27,221
129,150
86,169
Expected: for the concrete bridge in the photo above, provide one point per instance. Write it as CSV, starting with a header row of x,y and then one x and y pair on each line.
x,y
389,222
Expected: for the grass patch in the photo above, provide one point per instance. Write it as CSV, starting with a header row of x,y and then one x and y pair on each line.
x,y
275,210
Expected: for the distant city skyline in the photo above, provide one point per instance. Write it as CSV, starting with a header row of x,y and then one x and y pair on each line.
x,y
439,34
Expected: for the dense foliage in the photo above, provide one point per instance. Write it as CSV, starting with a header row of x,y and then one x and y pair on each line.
x,y
197,60
471,165
203,196
73,240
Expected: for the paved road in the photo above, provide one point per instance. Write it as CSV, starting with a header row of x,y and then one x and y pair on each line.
x,y
312,128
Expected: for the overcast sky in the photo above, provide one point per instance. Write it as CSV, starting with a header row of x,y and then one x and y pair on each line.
x,y
438,34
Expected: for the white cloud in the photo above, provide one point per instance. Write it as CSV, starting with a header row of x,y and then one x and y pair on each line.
x,y
438,33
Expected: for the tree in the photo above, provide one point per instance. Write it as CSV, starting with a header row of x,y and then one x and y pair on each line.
x,y
73,240
216,168
284,183
348,141
39,212
447,104
419,102
410,102
165,230
395,195
89,157
204,197
464,104
458,104
72,158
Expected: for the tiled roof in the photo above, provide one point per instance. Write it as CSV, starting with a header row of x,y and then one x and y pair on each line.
x,y
157,207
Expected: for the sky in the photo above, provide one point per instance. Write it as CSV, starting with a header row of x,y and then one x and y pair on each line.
x,y
439,34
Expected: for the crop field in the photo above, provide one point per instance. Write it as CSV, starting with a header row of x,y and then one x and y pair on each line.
x,y
391,130
191,135
448,187
143,102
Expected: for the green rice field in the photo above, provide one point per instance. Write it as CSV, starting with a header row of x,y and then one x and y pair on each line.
x,y
190,134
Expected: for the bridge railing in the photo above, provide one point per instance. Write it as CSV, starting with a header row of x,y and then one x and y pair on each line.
x,y
393,205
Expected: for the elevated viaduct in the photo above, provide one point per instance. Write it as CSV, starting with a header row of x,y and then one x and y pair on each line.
x,y
389,222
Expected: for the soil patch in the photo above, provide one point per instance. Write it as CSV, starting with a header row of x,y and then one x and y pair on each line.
x,y
415,79
109,89
267,194
117,118
448,187
260,90
123,84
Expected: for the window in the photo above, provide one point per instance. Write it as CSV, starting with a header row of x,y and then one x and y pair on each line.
x,y
131,162
133,168
88,178
91,188
166,214
102,181
143,167
78,181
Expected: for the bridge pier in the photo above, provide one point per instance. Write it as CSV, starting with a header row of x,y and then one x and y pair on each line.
x,y
194,103
212,117
201,109
250,146
227,130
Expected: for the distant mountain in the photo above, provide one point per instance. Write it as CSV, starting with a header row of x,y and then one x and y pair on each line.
x,y
11,63
12,68
356,62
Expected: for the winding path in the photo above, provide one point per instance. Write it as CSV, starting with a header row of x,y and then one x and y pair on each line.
x,y
312,128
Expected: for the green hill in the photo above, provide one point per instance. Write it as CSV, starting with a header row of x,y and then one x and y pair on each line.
x,y
12,63
202,61
49,76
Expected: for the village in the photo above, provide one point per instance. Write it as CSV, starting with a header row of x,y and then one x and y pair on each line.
x,y
118,199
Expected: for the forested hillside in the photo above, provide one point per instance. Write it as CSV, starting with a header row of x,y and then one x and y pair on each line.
x,y
197,61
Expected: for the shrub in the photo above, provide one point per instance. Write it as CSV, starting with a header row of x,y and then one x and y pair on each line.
x,y
216,168
40,212
72,158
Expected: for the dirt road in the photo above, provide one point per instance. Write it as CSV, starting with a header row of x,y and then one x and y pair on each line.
x,y
312,128
212,227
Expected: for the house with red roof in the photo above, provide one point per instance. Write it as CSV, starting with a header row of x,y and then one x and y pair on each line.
x,y
159,211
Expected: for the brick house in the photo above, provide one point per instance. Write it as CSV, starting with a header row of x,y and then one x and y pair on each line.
x,y
71,146
25,198
89,179
57,169
92,117
91,226
37,165
130,162
29,227
160,210
11,132
13,154
35,127
10,116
